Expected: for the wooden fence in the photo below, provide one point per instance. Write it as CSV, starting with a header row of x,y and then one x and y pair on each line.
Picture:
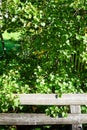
x,y
74,117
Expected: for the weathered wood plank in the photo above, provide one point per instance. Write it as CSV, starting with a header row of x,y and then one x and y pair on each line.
x,y
76,110
72,100
40,119
53,99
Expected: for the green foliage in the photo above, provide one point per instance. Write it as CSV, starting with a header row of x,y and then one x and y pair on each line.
x,y
11,84
53,40
57,111
57,44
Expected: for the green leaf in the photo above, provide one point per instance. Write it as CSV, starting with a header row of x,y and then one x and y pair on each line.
x,y
16,1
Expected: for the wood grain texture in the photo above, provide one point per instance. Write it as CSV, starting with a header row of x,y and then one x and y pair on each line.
x,y
73,100
40,119
53,99
76,110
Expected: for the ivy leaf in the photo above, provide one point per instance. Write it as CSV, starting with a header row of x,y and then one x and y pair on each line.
x,y
16,1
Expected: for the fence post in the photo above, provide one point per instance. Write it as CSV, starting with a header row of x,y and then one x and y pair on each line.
x,y
76,110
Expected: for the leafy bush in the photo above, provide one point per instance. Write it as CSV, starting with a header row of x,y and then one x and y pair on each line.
x,y
10,85
53,56
55,46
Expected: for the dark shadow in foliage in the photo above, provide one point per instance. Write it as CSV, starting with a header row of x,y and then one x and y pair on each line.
x,y
12,48
10,45
53,127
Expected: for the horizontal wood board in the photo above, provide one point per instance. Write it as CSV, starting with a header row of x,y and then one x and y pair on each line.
x,y
40,119
53,99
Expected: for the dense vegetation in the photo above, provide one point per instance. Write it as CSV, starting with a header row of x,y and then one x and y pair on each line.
x,y
52,53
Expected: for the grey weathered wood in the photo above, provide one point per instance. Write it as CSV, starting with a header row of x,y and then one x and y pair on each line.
x,y
73,100
76,110
40,119
53,99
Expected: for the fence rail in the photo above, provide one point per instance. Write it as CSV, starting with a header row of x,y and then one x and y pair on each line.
x,y
40,119
53,99
74,117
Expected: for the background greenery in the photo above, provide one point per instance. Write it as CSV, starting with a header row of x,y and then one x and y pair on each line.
x,y
46,54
